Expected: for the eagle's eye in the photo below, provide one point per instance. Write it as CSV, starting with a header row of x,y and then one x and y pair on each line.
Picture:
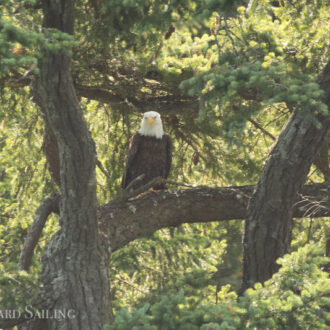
x,y
155,117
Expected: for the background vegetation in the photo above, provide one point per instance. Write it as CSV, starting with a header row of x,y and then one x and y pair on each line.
x,y
247,66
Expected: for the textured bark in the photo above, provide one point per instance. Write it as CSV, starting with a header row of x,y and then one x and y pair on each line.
x,y
51,152
49,205
214,204
75,265
322,161
124,222
269,223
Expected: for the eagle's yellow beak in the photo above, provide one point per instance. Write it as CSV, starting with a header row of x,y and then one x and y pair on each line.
x,y
150,121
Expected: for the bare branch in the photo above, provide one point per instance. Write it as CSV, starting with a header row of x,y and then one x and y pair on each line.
x,y
126,221
257,125
137,179
127,194
166,37
183,184
102,169
49,205
228,34
161,104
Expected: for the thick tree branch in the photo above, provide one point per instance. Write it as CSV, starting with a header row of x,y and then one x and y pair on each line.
x,y
122,221
49,205
162,104
127,221
10,322
268,224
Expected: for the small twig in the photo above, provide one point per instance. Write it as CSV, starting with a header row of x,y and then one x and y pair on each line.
x,y
228,33
133,182
189,142
103,170
256,124
120,279
126,194
166,37
216,33
186,184
150,184
311,206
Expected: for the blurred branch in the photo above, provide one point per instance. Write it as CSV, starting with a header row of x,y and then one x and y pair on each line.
x,y
257,125
102,169
228,34
162,104
222,25
166,37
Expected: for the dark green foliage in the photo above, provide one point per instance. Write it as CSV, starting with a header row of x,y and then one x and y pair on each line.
x,y
295,298
261,66
17,288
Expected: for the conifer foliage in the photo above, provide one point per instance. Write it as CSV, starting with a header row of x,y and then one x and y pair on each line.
x,y
242,88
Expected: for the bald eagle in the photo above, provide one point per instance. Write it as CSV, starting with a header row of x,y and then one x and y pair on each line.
x,y
149,152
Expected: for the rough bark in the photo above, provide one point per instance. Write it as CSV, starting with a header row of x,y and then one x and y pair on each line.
x,y
124,222
269,223
75,265
322,161
213,204
51,152
49,205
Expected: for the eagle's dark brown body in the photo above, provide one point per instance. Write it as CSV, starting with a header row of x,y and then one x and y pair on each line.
x,y
147,155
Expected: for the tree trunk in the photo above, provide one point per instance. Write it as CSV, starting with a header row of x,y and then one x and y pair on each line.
x,y
75,265
268,223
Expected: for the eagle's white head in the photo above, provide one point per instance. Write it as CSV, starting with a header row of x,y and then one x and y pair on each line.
x,y
151,125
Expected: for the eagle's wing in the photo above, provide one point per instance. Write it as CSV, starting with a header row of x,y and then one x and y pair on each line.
x,y
169,148
131,153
